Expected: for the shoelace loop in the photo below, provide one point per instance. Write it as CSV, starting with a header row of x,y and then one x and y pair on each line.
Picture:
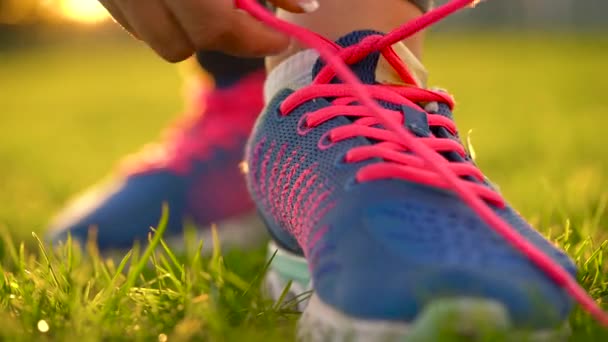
x,y
389,148
332,58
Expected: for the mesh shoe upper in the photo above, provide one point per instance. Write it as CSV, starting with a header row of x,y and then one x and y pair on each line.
x,y
382,249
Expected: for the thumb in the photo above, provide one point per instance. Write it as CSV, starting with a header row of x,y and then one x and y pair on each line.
x,y
297,6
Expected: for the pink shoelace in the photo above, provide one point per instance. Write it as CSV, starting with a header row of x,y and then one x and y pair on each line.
x,y
443,174
396,163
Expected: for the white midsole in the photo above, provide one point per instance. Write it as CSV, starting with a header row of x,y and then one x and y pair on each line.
x,y
322,322
467,317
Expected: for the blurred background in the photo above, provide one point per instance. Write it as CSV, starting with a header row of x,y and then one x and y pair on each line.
x,y
530,77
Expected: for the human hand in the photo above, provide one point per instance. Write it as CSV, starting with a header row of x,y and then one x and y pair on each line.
x,y
176,29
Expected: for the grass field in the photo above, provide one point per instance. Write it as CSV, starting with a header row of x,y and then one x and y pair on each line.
x,y
536,105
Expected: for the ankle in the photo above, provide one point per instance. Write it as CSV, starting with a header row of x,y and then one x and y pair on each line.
x,y
381,15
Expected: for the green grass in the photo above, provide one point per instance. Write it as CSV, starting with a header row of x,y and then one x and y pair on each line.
x,y
536,106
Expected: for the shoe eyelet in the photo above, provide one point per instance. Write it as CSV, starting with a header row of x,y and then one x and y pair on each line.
x,y
278,116
341,161
325,141
303,128
351,183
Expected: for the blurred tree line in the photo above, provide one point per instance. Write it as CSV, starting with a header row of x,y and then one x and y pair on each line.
x,y
567,14
22,21
14,12
516,13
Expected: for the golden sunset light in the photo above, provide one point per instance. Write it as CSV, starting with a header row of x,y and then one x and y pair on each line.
x,y
83,11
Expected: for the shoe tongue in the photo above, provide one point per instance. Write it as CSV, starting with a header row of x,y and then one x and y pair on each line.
x,y
375,68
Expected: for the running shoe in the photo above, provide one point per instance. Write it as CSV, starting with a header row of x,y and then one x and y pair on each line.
x,y
387,246
195,171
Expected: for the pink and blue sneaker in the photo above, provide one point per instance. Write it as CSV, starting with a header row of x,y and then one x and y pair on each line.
x,y
195,171
386,244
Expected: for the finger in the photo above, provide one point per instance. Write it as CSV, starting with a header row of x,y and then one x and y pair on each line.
x,y
155,25
217,25
248,37
297,6
118,16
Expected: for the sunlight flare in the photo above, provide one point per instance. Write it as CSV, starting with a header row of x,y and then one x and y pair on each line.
x,y
83,11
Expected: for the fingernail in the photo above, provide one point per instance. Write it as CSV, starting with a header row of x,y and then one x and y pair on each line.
x,y
309,6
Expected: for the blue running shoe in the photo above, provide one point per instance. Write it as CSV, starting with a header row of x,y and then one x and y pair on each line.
x,y
387,249
195,171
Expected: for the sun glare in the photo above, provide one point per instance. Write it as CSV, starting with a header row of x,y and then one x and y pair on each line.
x,y
84,11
